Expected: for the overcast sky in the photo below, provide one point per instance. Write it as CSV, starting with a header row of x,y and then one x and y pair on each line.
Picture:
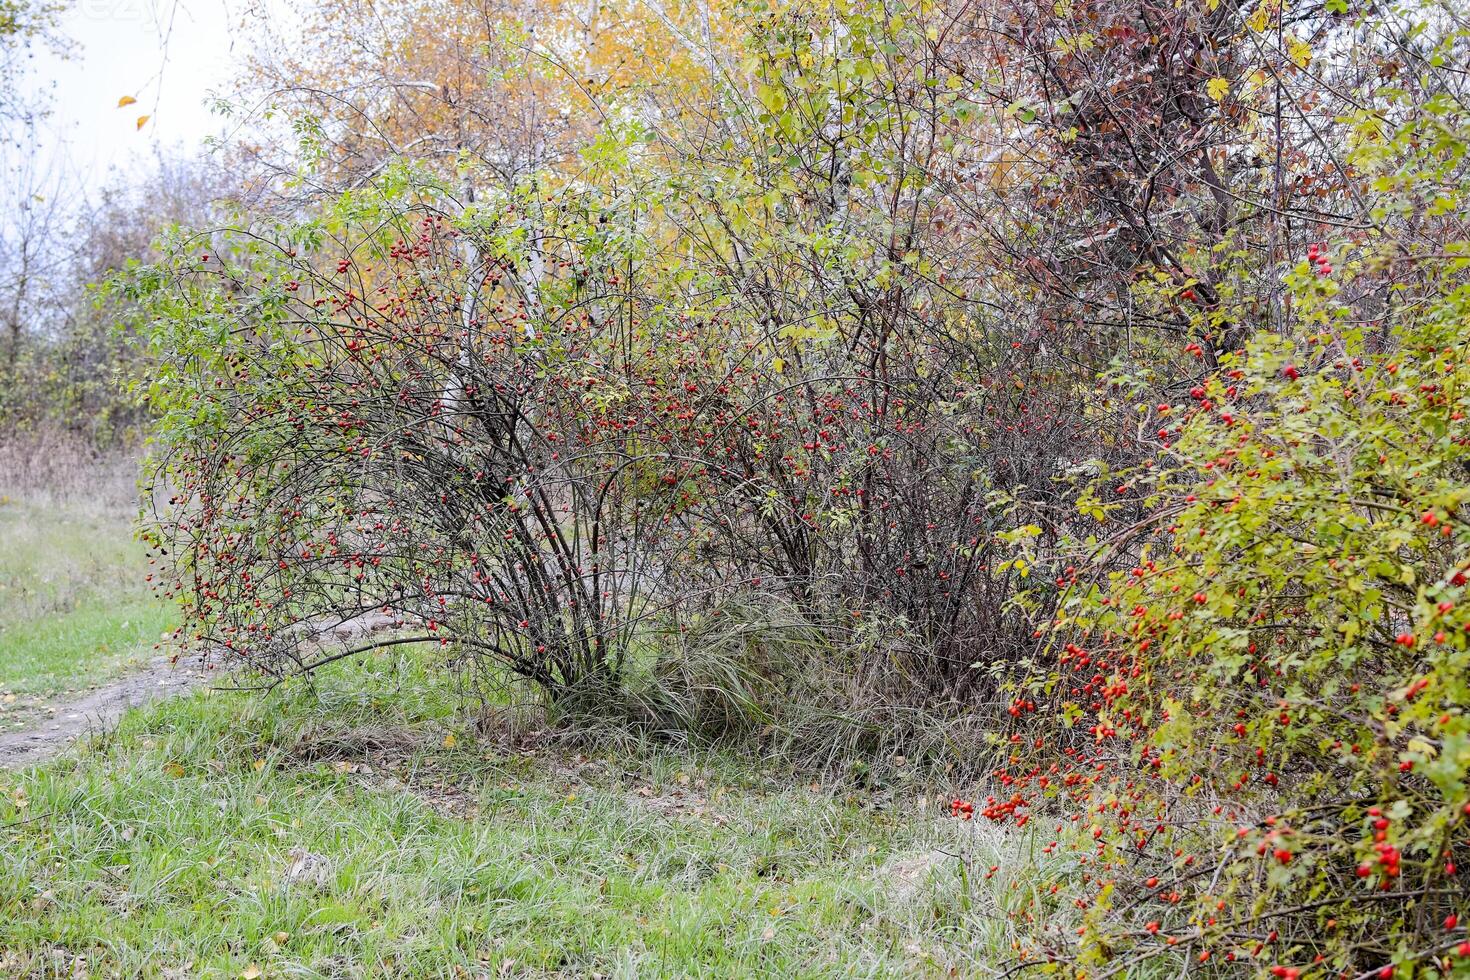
x,y
167,54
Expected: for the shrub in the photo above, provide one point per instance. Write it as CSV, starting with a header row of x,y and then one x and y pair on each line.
x,y
1262,675
549,427
372,426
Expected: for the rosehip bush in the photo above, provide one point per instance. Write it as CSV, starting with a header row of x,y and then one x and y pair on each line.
x,y
380,418
1262,676
534,458
548,424
1287,661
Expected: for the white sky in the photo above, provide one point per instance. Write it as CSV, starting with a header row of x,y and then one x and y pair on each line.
x,y
167,54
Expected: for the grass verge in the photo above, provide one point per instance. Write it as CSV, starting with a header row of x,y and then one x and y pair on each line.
x,y
355,828
74,607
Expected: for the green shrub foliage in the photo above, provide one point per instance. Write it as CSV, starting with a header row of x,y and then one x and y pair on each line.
x,y
1262,659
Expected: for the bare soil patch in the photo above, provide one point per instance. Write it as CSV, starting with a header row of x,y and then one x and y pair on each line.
x,y
99,709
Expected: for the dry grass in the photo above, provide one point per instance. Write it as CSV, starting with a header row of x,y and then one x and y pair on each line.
x,y
74,606
50,468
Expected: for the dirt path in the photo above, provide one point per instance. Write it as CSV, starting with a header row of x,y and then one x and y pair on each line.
x,y
99,710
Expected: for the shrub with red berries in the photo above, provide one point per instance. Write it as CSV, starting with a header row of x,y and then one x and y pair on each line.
x,y
1267,705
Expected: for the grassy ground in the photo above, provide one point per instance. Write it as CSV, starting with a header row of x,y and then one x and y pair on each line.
x,y
358,829
74,608
73,602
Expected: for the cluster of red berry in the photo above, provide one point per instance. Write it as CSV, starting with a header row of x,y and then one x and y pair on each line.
x,y
963,809
1388,855
1317,257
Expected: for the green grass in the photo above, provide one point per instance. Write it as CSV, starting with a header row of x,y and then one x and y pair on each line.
x,y
74,606
356,826
170,844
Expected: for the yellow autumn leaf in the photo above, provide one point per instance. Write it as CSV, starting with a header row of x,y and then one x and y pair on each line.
x,y
143,121
449,741
126,100
1217,88
1299,51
